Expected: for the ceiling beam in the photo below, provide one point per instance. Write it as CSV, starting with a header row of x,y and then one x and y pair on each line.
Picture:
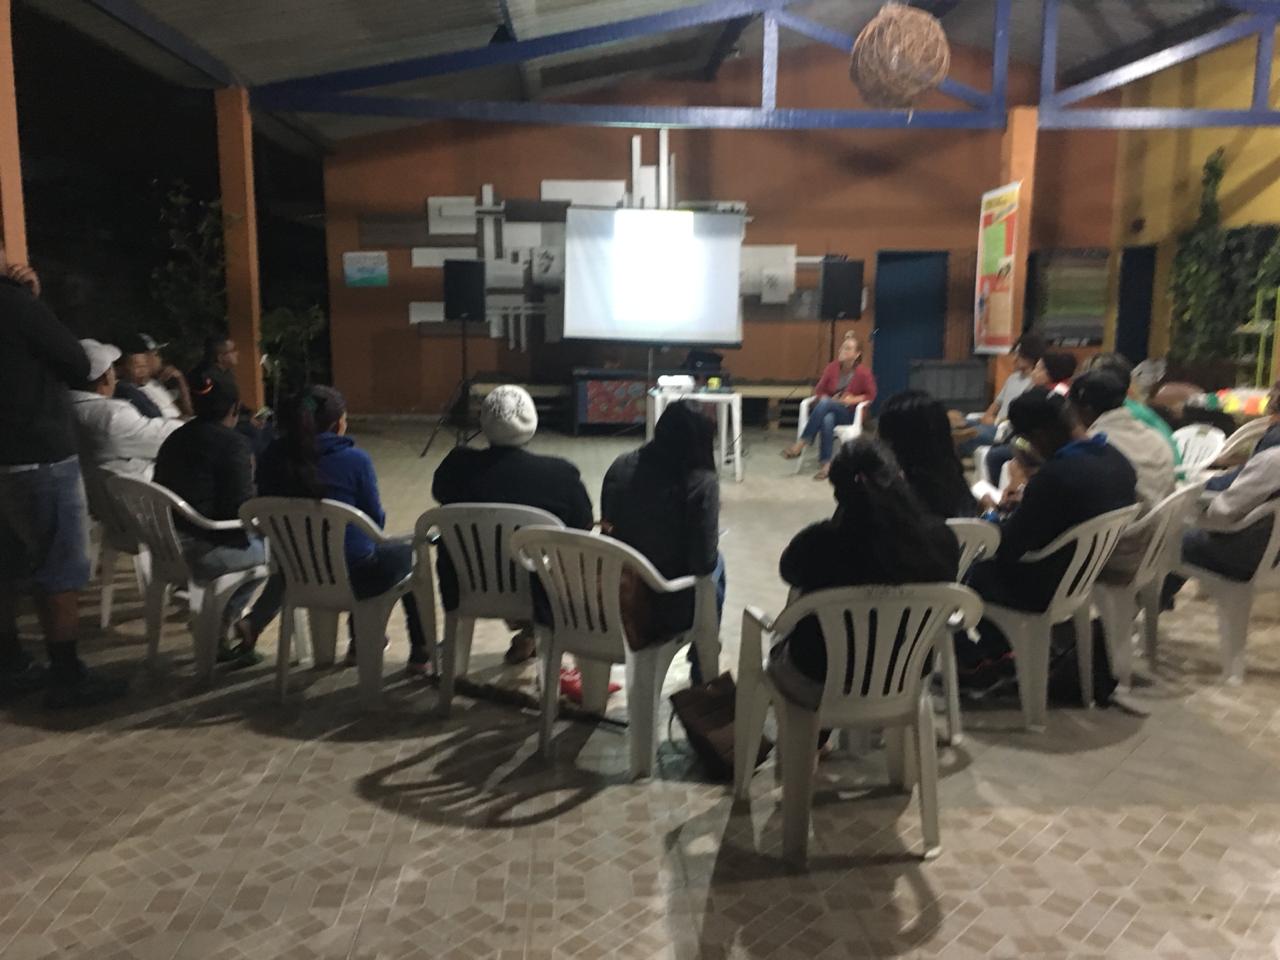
x,y
165,37
1181,32
702,14
726,42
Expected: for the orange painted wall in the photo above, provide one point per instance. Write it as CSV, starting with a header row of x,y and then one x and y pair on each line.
x,y
852,192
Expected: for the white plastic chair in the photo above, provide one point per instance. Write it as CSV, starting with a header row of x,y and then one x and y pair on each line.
x,y
1199,445
115,538
1234,597
491,582
867,686
1118,603
582,575
843,434
307,540
150,509
978,539
1090,545
1242,441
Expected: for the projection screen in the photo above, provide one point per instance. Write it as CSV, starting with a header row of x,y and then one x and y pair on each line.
x,y
653,276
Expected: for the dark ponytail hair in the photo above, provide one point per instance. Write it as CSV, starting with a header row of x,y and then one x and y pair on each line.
x,y
917,430
879,514
300,460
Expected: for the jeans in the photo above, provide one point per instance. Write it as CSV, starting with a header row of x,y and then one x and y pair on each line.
x,y
208,561
44,525
388,565
722,585
997,457
985,437
826,416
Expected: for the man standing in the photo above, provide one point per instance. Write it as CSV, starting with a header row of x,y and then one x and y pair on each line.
x,y
43,520
114,436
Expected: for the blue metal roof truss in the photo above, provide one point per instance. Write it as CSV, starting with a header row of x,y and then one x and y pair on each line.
x,y
332,92
1057,110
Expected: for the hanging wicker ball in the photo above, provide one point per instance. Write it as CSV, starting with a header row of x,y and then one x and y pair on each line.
x,y
902,53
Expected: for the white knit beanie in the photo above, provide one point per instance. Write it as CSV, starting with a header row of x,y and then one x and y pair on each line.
x,y
508,417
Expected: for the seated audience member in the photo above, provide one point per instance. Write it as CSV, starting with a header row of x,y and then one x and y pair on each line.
x,y
1026,354
43,519
1117,365
505,472
916,428
1097,399
208,464
880,534
1053,373
1237,492
844,384
664,500
316,460
1079,478
221,357
143,376
113,435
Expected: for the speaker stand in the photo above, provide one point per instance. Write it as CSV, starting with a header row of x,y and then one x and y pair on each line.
x,y
461,393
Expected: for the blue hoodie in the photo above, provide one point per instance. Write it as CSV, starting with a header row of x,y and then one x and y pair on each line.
x,y
348,477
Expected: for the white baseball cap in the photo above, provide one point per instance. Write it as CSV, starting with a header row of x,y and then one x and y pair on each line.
x,y
101,357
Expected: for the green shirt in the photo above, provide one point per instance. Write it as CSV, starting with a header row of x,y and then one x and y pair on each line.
x,y
1142,412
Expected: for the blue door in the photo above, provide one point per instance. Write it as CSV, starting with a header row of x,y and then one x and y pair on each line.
x,y
911,316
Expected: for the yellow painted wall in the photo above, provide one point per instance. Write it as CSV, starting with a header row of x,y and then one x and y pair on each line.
x,y
1158,173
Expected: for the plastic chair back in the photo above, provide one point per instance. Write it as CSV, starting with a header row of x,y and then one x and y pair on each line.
x,y
149,511
1091,544
477,539
116,529
582,574
1164,523
978,540
1199,444
307,539
1244,439
877,640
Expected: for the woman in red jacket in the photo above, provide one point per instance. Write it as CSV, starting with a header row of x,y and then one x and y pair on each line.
x,y
844,384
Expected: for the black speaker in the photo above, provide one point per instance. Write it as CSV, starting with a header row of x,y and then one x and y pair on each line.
x,y
464,290
841,290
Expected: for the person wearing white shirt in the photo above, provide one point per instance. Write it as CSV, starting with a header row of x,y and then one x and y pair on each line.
x,y
113,435
143,376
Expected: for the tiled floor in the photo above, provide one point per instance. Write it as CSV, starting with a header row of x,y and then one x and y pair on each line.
x,y
219,825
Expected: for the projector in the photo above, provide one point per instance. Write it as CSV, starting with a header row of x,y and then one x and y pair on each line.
x,y
676,383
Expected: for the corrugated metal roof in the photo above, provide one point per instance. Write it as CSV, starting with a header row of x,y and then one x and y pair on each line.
x,y
277,40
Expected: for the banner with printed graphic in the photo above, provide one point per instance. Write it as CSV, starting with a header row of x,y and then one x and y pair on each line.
x,y
993,321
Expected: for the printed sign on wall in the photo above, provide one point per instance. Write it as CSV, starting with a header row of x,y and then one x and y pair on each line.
x,y
997,251
366,268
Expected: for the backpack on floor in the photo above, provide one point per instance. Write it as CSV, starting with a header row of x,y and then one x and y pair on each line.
x,y
706,713
1064,667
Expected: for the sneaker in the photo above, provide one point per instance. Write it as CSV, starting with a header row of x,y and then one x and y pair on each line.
x,y
22,678
419,671
524,646
85,690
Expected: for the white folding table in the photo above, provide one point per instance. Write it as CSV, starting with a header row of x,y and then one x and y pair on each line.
x,y
728,418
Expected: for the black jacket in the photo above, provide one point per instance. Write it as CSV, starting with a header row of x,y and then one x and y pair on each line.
x,y
1085,479
827,555
39,359
508,475
675,523
208,465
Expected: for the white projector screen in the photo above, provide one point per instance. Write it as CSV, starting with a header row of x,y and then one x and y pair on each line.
x,y
653,276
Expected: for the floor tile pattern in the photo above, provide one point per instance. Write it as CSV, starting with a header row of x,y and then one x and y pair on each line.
x,y
220,825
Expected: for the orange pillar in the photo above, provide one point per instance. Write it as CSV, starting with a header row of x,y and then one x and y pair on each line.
x,y
13,217
1018,163
240,232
